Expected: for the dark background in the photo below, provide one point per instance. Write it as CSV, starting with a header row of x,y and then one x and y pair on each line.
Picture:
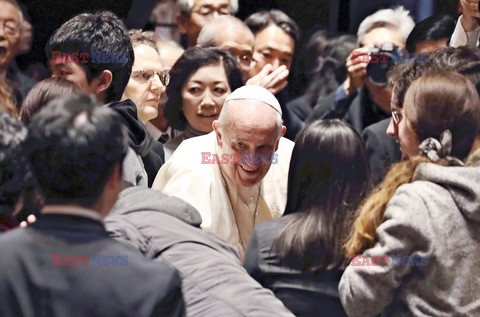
x,y
342,16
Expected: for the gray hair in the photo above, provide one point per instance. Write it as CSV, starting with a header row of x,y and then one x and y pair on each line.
x,y
224,117
19,11
208,34
398,18
185,6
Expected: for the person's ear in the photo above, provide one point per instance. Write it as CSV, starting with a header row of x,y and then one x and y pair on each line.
x,y
282,133
218,132
182,22
104,82
115,182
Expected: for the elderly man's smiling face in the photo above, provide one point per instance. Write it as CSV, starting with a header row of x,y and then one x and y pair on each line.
x,y
250,130
9,33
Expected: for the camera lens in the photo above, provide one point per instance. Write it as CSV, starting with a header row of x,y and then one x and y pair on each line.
x,y
380,63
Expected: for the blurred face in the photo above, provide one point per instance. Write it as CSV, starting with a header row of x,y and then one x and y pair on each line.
x,y
376,38
145,86
25,38
273,46
240,44
9,34
250,131
62,67
202,12
203,95
430,46
392,129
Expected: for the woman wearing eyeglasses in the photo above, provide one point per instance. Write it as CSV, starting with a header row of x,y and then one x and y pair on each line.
x,y
200,81
425,216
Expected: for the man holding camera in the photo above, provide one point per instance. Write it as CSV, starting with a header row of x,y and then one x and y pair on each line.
x,y
467,30
364,97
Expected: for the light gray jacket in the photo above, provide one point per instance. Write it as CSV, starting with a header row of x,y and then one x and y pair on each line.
x,y
436,217
213,281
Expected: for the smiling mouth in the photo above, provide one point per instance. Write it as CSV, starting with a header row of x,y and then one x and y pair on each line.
x,y
213,115
248,169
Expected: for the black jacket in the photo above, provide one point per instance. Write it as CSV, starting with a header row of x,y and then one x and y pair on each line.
x,y
382,150
358,110
151,151
68,266
304,293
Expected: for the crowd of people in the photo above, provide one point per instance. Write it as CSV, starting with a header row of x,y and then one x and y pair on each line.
x,y
149,179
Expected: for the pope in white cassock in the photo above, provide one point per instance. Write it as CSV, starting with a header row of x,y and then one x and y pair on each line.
x,y
236,175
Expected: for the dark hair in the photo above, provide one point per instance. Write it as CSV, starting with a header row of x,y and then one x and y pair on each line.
x,y
97,32
260,20
16,178
139,37
327,179
74,145
433,28
192,60
15,172
400,78
42,93
325,57
463,60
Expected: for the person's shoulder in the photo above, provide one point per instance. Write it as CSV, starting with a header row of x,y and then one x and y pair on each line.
x,y
271,229
190,150
14,238
378,128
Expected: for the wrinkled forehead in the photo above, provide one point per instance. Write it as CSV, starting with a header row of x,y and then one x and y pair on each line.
x,y
9,12
210,3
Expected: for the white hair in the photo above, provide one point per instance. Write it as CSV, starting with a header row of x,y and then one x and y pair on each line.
x,y
185,6
208,34
399,18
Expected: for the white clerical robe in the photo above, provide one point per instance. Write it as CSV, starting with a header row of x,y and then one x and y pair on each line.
x,y
218,199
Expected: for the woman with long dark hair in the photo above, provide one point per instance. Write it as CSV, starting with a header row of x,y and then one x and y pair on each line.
x,y
300,256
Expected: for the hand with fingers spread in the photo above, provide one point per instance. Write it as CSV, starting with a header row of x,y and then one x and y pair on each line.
x,y
470,13
272,79
357,63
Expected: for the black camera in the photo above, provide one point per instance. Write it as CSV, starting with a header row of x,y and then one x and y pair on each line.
x,y
381,61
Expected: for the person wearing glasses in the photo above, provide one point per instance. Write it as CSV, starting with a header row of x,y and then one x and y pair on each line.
x,y
194,14
200,81
424,217
11,21
148,79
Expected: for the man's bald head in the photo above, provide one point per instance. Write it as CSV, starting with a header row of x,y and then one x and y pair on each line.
x,y
212,34
230,34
